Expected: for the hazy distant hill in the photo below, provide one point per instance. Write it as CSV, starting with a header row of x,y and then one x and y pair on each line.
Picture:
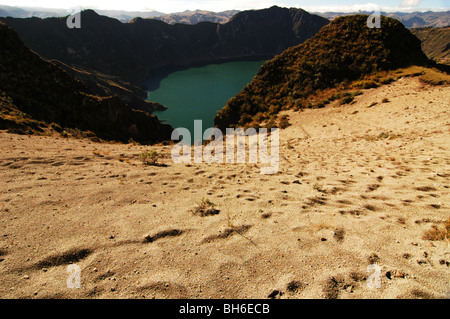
x,y
410,20
342,51
127,16
186,17
194,17
435,43
22,12
35,93
134,49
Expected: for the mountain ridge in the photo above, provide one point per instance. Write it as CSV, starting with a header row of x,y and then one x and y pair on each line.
x,y
136,48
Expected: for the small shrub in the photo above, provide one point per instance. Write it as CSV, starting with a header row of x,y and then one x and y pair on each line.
x,y
294,286
271,124
56,127
383,135
319,105
205,208
318,187
346,100
338,96
367,85
437,234
150,158
284,122
387,81
373,258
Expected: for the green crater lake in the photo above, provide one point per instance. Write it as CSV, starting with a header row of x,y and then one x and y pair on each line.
x,y
199,93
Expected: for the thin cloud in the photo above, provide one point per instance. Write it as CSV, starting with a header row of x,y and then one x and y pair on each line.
x,y
410,3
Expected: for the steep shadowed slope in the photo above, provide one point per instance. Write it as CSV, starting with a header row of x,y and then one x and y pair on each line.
x,y
32,87
435,43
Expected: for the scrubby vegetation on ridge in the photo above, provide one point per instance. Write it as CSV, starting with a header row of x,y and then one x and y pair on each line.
x,y
343,51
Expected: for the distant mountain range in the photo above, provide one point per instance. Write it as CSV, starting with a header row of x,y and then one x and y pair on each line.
x,y
133,50
194,17
409,19
185,17
24,12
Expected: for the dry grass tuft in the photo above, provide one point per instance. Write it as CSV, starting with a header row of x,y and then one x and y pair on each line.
x,y
205,208
436,233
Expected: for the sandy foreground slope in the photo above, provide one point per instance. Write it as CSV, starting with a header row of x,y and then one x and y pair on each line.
x,y
357,185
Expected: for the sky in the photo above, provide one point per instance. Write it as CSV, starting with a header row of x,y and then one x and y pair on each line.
x,y
169,6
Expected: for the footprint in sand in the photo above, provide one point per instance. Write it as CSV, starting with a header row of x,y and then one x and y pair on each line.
x,y
66,258
426,189
164,289
353,212
317,200
228,232
3,252
344,201
372,187
163,234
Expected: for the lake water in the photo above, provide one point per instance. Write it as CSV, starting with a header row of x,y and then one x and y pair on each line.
x,y
199,92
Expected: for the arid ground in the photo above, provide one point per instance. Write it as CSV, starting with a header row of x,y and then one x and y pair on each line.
x,y
360,184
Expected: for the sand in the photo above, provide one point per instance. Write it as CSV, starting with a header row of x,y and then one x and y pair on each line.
x,y
357,186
